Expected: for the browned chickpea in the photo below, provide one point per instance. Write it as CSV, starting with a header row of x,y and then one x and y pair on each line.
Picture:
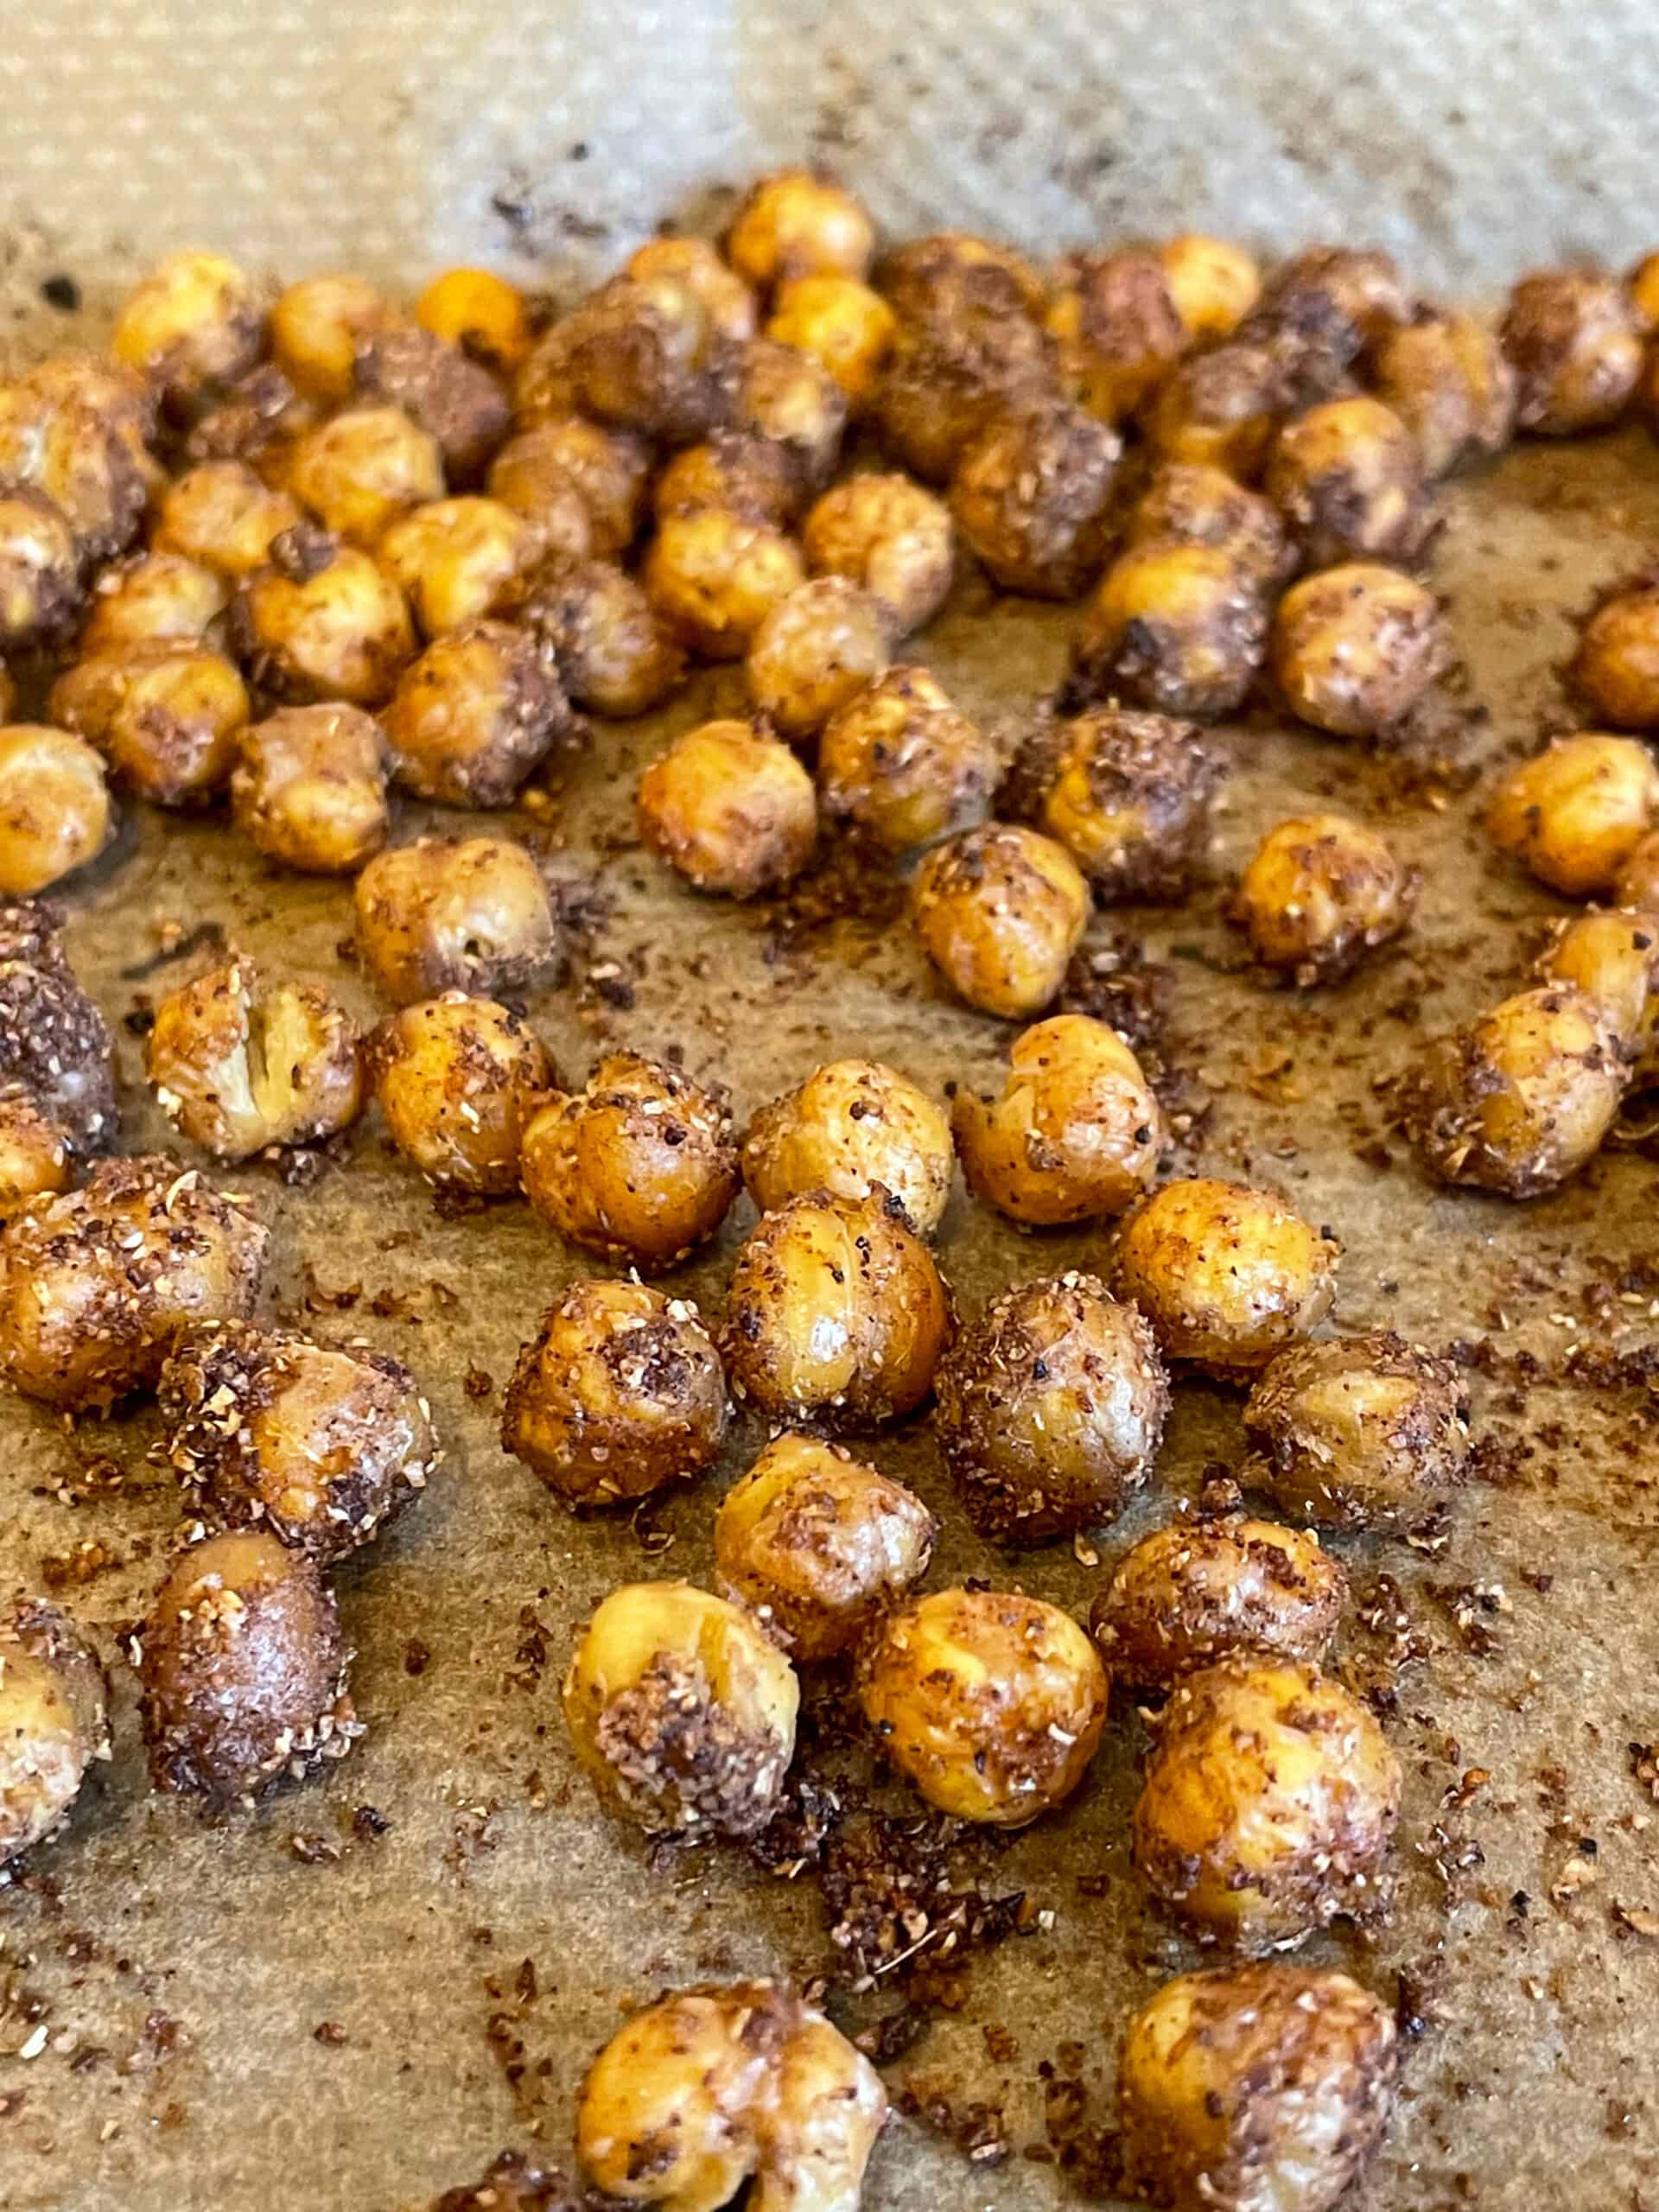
x,y
1181,629
221,516
1188,503
1130,796
123,399
1349,478
322,621
1448,379
1321,310
713,577
903,766
1118,328
642,354
620,1392
458,1081
1052,1409
888,535
54,1047
796,223
360,470
195,321
1574,340
1575,812
852,1127
1000,910
1226,1275
266,1429
54,1723
446,914
34,1158
458,402
1219,409
1213,283
990,1703
1201,1589
55,814
455,557
1321,891
1355,649
153,595
1612,958
818,1546
1030,497
237,1064
814,652
844,326
787,397
737,472
612,654
1616,664
949,374
167,716
731,811
317,326
255,420
641,1166
39,572
78,458
837,1312
609,471
727,300
309,790
244,1671
475,717
929,275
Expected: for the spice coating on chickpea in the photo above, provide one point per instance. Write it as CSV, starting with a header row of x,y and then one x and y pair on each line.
x,y
613,654
39,572
788,397
1348,477
153,595
715,578
309,790
239,1064
194,320
458,1081
446,914
731,811
1190,503
1321,310
903,766
642,355
452,398
842,324
53,1722
1130,795
1574,340
1355,648
167,716
1118,329
607,471
1000,910
55,1045
1213,283
1219,409
1030,496
55,814
813,653
851,1126
1616,664
1447,378
737,472
455,558
1321,892
73,455
890,535
321,620
949,375
1180,628
929,275
360,470
475,717
1576,812
1201,1589
223,516
798,223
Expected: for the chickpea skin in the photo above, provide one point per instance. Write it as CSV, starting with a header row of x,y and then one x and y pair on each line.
x,y
1200,1589
55,1724
1320,893
309,790
74,455
239,1065
607,470
480,312
726,299
322,621
613,654
1636,884
1576,812
1131,798
1447,378
731,811
317,326
34,1160
221,515
928,275
167,717
165,595
1354,649
1190,503
1574,340
1613,959
1348,477
1219,409
737,472
890,535
715,578
1213,283
1178,628
360,470
442,914
1616,664
1320,311
1118,328
455,558
475,717
1000,910
903,766
840,323
55,814
797,224
39,572
851,1126
1031,494
193,321
813,653
458,1081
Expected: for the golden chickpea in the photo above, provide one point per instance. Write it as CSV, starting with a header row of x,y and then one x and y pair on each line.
x,y
123,399
818,1546
237,1064
1636,884
458,1081
1219,409
309,790
34,1158
795,223
55,814
1051,1409
813,653
455,558
1252,2086
54,1723
1321,310
949,375
1575,812
1321,891
731,811
1574,340
889,535
853,1126
1612,958
1201,1589
837,1312
1213,283
317,328
55,1047
1188,503
1031,494
167,717
475,717
620,1391
1355,649
715,578
221,515
1000,910
77,459
1616,664
448,915
1349,478
682,1712
479,312
786,396
1118,328
194,322
643,355
1448,379
1226,1275
841,323
39,572
990,1703
930,274
1130,796
727,300
641,1166
322,620
903,766
153,595
1181,629
1270,1805
537,473
359,471
613,656
735,471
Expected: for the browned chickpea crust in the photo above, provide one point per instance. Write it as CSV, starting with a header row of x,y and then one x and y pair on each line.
x,y
730,809
843,326
1052,1409
788,397
475,717
325,1447
796,223
167,716
818,1546
322,621
715,578
194,320
77,459
1320,892
1219,409
850,1126
1030,497
903,766
448,915
1130,796
1000,910
1213,283
932,273
456,558
309,790
1190,503
1616,664
837,1312
1575,341
459,1080
252,420
153,595
39,572
949,374
727,300
1321,310
458,402
1576,812
360,470
55,814
620,1391
1227,1275
1118,329
244,1671
639,1166
1255,2086
640,355
239,1064
55,1047
814,653
609,470
1179,628
1355,649
53,1722
613,655
890,535
221,516
1200,1589
122,399
990,1703
1348,477
1447,378
736,471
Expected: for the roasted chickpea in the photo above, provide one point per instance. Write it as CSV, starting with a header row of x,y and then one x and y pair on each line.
x,y
903,766
813,653
165,595
1188,503
253,420
837,1312
1130,796
641,1166
55,1047
888,535
842,324
309,790
1573,339
1613,959
359,471
1118,328
455,557
323,1447
1213,283
681,1711
851,1127
1576,812
1616,664
1226,1275
475,717
715,578
54,1722
39,572
1321,891
612,654
620,1391
1180,628
239,1065
1255,2086
1636,884
737,472
990,1703
930,274
1201,1589
727,300
1355,649
1321,310
607,470
643,354
459,1080
322,621
730,809
95,1284
446,914
1349,478
1449,381
167,716
317,326
1052,1409
455,400
123,399
1030,496
55,814
1000,910
947,378
479,312
34,1158
244,1671
79,459
1219,409
221,516
797,224
195,321
792,400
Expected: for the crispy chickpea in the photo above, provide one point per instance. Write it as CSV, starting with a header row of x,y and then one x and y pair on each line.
x,y
1616,664
1636,884
737,472
221,515
167,716
818,1546
613,653
457,914
1354,649
39,572
360,470
903,766
1521,1099
1321,891
851,1126
458,1081
1573,339
1219,409
267,1428
813,653
1030,496
1200,1589
948,375
607,470
795,223
1118,328
455,557
1130,796
480,312
1321,310
95,1284
54,1722
642,354
620,1391
34,1158
452,399
317,326
1613,959
237,1064
713,577
929,275
1000,910
154,595
1448,379
1052,1409
254,420
727,300
475,717
1255,2086
792,400
841,323
1180,628
1226,1275
1361,1432
837,1312
1188,503
77,458
322,620
1213,283
309,790
244,1671
990,1703
1575,812
54,1046
1270,1805
124,400
195,321
55,814
681,1711
1349,478
888,535
730,809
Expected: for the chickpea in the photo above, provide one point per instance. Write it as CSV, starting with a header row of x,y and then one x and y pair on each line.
x,y
819,1545
1613,959
255,420
1255,2085
34,1153
475,717
121,399
1637,882
265,1428
79,460
1051,1409
903,766
244,1671
1199,1590
947,377
1226,1275
813,653
737,472
322,621
892,538
640,355
853,1126
1321,892
837,1312
1180,629
1030,497
1321,310
317,326
929,276
95,1284
990,1703
612,654
1270,1805
1448,379
54,1047
1349,478
608,472
1219,409
195,321
842,324
1000,910
620,1391
458,1081
457,914
1118,328
54,1723
39,572
220,516
727,300
1190,503
154,595
1354,649
1130,796
795,223
454,399
309,791
787,397
1213,283
455,558
55,814
479,312
1616,664
1574,340
239,1065
167,717
1575,812
359,471
682,1712
731,811
715,578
